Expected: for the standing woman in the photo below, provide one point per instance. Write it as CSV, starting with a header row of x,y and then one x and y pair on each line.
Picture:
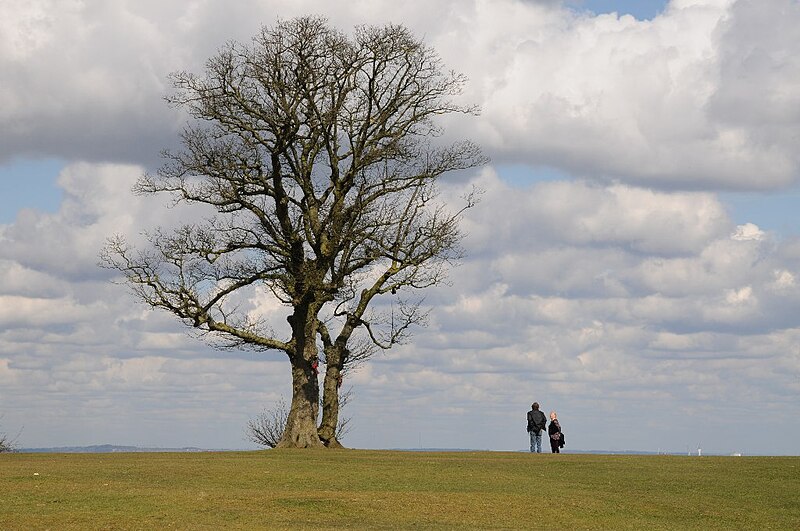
x,y
556,437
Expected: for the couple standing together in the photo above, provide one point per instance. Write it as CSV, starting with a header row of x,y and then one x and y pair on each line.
x,y
537,422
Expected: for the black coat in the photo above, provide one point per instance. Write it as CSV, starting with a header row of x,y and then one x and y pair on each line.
x,y
556,435
536,420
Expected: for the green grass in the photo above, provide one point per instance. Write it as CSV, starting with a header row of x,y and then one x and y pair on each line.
x,y
383,490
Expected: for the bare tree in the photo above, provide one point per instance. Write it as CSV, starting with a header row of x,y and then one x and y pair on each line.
x,y
7,444
267,428
316,150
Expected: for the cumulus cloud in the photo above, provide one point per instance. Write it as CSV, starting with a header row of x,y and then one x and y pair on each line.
x,y
699,97
584,302
596,319
78,353
83,80
759,73
642,101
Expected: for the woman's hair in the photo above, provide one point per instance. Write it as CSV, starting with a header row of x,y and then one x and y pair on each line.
x,y
553,414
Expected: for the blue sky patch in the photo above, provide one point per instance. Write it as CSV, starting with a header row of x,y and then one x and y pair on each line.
x,y
29,183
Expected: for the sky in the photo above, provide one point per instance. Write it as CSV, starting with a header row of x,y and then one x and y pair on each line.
x,y
634,263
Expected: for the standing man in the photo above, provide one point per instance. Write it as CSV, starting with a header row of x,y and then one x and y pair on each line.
x,y
536,423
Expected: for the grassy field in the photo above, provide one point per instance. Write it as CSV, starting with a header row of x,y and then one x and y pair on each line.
x,y
384,490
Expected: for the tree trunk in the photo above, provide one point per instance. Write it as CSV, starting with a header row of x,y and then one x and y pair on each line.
x,y
330,402
301,425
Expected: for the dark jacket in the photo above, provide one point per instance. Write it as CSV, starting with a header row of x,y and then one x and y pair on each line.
x,y
536,420
556,435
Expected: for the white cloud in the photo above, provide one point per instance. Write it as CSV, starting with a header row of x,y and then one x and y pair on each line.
x,y
699,97
784,280
759,72
656,327
748,231
89,352
642,101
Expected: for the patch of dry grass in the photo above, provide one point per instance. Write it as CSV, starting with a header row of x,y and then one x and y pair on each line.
x,y
290,489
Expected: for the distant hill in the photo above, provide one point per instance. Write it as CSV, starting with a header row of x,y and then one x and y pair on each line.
x,y
105,449
601,452
113,448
